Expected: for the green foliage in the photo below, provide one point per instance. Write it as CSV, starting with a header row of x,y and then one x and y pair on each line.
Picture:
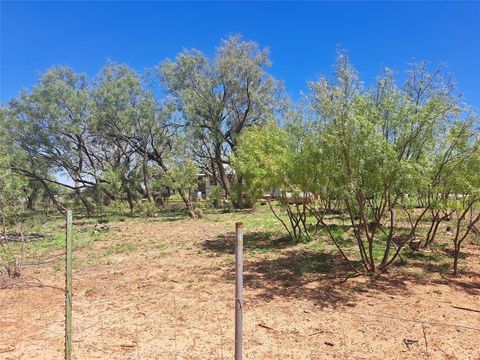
x,y
148,208
215,195
182,175
13,187
284,163
380,146
263,156
12,190
244,194
220,98
371,153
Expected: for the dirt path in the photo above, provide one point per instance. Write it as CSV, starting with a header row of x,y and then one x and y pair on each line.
x,y
164,290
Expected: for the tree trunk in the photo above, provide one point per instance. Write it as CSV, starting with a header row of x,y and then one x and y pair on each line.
x,y
456,255
51,196
146,180
188,204
31,202
433,233
88,206
221,170
239,203
130,200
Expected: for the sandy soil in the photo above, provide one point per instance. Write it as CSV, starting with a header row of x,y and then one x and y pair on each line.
x,y
165,290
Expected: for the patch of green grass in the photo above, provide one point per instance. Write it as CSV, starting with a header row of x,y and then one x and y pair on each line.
x,y
119,248
38,249
320,263
261,219
433,256
305,239
341,236
259,250
378,250
159,246
317,245
304,262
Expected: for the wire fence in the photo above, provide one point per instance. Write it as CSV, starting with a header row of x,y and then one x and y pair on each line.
x,y
175,327
143,319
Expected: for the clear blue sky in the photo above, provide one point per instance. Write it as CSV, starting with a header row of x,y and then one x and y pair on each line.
x,y
302,37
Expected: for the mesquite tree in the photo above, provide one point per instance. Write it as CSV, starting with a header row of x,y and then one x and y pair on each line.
x,y
52,125
465,198
375,153
219,98
448,164
378,143
283,163
104,136
12,188
132,119
124,118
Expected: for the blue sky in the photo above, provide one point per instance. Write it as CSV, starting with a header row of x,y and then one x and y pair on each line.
x,y
303,37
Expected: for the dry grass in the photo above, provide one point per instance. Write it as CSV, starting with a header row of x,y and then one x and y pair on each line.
x,y
163,289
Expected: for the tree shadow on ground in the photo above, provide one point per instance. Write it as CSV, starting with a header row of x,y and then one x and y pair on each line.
x,y
252,241
289,270
318,276
440,261
461,283
284,269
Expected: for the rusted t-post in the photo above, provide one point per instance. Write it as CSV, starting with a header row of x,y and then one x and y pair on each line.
x,y
238,291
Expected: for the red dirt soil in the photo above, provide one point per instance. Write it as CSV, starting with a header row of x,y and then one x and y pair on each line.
x,y
170,295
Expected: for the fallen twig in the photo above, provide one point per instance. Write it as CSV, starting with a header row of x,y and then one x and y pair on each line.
x,y
466,309
266,327
409,342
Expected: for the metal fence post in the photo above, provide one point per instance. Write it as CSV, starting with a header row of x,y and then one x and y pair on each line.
x,y
238,290
68,289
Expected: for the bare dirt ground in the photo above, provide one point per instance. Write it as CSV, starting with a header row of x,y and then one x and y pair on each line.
x,y
165,290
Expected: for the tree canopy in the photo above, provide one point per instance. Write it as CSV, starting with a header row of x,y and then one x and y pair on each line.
x,y
386,156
